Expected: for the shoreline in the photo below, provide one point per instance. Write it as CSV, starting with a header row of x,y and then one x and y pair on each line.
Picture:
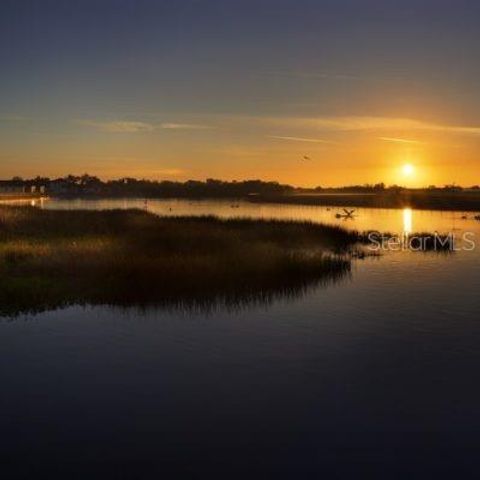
x,y
23,197
454,201
416,201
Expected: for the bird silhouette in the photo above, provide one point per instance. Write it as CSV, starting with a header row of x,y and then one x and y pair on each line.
x,y
347,214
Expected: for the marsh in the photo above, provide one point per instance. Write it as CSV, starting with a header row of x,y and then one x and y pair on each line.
x,y
51,258
364,368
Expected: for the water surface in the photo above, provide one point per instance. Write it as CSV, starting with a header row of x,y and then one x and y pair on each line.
x,y
391,220
374,375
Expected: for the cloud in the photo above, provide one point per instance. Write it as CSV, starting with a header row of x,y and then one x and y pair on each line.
x,y
121,126
400,140
360,123
183,126
298,139
387,123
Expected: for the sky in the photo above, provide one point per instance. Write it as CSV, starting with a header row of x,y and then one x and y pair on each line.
x,y
305,92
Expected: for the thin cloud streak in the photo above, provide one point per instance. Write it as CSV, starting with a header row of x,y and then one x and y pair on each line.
x,y
359,123
299,139
120,126
183,126
381,123
401,140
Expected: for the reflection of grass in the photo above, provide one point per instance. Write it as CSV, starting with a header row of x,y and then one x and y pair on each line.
x,y
54,258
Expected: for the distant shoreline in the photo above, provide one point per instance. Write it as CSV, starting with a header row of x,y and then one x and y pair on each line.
x,y
449,197
466,201
418,200
20,197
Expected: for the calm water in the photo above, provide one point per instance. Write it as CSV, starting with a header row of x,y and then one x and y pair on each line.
x,y
366,218
375,376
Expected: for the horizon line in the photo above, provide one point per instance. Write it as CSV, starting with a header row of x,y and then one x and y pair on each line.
x,y
386,186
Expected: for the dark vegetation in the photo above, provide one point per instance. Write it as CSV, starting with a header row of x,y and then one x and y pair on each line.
x,y
50,259
459,200
448,197
89,186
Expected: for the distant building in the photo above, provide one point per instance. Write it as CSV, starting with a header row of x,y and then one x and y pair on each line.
x,y
12,188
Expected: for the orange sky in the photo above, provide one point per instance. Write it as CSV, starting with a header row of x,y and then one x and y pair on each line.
x,y
192,90
341,150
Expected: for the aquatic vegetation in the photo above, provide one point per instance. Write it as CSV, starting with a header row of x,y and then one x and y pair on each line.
x,y
50,259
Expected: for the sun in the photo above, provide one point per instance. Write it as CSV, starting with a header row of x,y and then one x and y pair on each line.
x,y
408,170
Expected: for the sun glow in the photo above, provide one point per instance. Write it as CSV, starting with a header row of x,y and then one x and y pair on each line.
x,y
408,170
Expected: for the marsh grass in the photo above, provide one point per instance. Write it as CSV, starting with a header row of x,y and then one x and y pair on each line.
x,y
50,259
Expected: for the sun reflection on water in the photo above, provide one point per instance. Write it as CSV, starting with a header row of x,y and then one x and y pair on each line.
x,y
407,221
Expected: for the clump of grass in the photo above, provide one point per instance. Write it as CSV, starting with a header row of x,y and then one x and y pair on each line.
x,y
50,259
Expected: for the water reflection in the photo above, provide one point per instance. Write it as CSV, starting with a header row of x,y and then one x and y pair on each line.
x,y
407,221
197,298
366,219
372,375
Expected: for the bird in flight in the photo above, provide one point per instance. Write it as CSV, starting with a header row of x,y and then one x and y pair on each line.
x,y
306,157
